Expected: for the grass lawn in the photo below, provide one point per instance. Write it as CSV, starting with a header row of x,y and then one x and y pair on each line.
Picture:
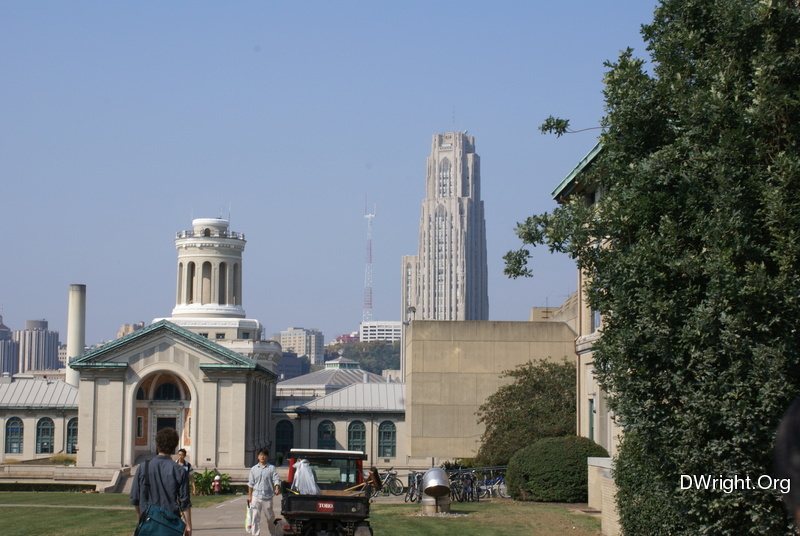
x,y
74,514
79,514
496,517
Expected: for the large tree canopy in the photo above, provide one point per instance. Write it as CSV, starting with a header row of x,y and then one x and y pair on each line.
x,y
693,254
539,403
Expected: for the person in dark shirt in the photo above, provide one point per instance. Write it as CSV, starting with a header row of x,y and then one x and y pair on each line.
x,y
168,481
183,462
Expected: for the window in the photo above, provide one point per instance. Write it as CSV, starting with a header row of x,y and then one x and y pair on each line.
x,y
595,320
326,435
72,436
139,427
45,430
357,436
167,391
387,440
140,394
14,432
220,336
445,178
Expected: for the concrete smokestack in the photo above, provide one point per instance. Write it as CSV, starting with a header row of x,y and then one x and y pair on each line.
x,y
76,329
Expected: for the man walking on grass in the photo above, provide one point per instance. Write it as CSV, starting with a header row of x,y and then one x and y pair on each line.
x,y
262,485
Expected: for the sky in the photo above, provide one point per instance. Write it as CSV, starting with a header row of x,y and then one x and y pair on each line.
x,y
120,122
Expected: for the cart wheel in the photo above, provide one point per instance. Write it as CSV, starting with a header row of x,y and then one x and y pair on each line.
x,y
362,529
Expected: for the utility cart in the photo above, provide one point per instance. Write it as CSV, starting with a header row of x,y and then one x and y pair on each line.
x,y
339,503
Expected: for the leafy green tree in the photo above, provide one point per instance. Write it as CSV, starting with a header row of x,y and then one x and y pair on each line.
x,y
699,266
539,403
373,356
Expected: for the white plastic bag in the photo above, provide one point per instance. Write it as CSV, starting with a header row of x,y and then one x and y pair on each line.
x,y
304,481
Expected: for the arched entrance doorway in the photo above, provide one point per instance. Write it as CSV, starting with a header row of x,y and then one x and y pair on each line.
x,y
163,400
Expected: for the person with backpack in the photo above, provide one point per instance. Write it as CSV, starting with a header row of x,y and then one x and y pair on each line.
x,y
161,482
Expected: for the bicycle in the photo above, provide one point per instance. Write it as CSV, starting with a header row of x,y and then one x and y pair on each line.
x,y
463,486
389,484
414,492
491,486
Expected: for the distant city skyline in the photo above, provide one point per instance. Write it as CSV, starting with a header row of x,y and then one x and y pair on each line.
x,y
125,122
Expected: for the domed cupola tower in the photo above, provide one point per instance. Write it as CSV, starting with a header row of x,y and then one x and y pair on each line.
x,y
209,295
209,271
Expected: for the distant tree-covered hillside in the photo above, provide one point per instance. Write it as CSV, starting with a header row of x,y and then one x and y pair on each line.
x,y
374,356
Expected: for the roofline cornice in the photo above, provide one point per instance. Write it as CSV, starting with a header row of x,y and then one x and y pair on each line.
x,y
568,183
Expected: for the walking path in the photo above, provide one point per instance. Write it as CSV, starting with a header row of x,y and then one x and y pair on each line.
x,y
226,519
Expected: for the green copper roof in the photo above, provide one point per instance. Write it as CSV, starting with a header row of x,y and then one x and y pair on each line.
x,y
568,184
235,360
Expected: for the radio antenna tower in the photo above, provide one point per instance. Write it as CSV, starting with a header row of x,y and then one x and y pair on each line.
x,y
367,314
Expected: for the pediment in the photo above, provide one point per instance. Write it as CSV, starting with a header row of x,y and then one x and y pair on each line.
x,y
164,342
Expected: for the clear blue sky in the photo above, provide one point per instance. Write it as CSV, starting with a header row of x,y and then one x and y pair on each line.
x,y
120,121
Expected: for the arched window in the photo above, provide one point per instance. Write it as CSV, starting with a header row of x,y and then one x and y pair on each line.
x,y
140,394
357,436
222,286
14,432
190,281
45,432
72,436
284,438
387,440
326,435
167,391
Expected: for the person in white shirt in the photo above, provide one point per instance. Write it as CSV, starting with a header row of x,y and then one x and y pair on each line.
x,y
262,485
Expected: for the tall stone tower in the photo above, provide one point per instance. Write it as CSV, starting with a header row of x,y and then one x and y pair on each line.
x,y
447,279
209,290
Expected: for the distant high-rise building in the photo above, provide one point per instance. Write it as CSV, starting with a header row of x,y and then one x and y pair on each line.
x,y
290,366
447,279
127,329
303,342
380,331
38,347
9,350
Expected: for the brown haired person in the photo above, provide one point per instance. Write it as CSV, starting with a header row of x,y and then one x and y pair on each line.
x,y
169,485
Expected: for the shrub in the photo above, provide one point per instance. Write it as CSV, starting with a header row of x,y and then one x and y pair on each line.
x,y
27,486
552,470
62,459
644,496
204,482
